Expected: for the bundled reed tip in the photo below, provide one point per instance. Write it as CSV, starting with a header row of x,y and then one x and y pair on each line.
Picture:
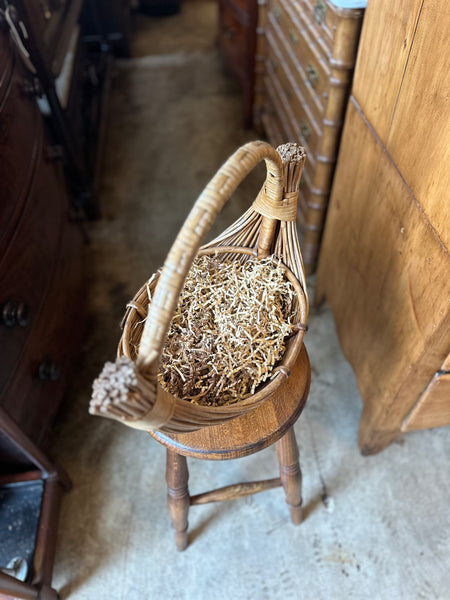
x,y
114,392
228,331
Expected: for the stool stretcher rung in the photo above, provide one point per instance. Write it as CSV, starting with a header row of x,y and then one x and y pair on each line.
x,y
238,490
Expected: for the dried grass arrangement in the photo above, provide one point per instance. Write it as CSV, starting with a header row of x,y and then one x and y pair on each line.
x,y
228,331
130,390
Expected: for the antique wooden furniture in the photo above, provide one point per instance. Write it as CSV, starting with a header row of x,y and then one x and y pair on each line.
x,y
272,422
306,52
237,38
41,303
22,462
384,264
70,82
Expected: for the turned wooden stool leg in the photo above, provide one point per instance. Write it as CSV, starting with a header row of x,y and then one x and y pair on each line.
x,y
178,496
290,474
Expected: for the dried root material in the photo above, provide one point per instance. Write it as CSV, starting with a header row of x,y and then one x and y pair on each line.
x,y
228,331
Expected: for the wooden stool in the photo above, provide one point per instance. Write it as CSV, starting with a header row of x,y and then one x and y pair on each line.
x,y
245,435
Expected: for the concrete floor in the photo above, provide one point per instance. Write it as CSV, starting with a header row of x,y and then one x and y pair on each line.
x,y
375,527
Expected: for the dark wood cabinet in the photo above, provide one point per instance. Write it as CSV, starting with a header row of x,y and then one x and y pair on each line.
x,y
237,36
70,78
40,259
41,303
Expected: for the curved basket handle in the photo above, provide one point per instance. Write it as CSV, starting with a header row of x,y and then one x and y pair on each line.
x,y
188,240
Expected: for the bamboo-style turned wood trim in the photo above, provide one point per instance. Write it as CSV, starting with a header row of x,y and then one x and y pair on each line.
x,y
128,391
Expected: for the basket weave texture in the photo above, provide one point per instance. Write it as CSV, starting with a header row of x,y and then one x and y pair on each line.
x,y
129,390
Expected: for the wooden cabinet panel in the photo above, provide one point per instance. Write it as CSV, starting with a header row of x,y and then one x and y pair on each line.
x,y
287,28
20,145
7,60
421,150
385,45
26,268
40,259
382,272
433,407
46,363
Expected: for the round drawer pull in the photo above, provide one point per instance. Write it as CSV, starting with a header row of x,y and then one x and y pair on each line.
x,y
293,36
313,75
15,313
48,370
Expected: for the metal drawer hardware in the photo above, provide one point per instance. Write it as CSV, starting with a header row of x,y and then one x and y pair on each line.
x,y
273,64
277,13
305,129
15,313
313,75
320,11
293,36
48,370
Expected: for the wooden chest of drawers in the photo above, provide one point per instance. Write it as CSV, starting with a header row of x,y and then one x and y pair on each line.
x,y
306,51
40,259
41,310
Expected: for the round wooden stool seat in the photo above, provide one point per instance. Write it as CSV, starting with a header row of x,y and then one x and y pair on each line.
x,y
253,431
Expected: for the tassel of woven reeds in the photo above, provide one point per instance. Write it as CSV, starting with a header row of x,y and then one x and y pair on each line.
x,y
246,231
127,390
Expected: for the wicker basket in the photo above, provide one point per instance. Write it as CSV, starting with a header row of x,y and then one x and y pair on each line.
x,y
129,390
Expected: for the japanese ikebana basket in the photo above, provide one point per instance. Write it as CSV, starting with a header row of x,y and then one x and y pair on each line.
x,y
128,390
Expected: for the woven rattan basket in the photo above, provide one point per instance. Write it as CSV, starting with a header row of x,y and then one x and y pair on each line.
x,y
128,390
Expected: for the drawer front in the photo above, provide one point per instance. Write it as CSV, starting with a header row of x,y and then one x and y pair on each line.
x,y
7,61
287,96
321,17
27,266
35,389
20,143
281,53
336,30
309,66
303,44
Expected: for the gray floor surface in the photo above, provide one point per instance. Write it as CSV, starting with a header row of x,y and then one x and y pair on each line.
x,y
375,527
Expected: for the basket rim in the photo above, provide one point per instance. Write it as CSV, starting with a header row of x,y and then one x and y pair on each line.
x,y
265,388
